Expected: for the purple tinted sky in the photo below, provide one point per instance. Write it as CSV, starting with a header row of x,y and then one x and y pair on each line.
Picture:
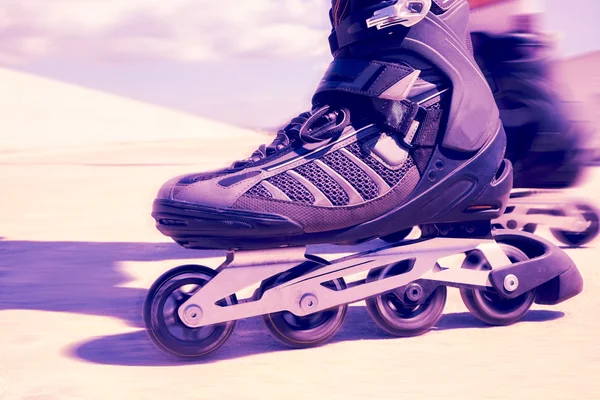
x,y
259,84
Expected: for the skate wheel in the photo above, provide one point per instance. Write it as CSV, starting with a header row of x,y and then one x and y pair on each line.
x,y
163,325
397,236
487,305
575,239
310,330
400,318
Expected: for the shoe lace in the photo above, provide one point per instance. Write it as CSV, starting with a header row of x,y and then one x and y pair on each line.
x,y
318,125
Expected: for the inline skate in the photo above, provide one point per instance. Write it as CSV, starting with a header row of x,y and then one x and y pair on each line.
x,y
546,145
403,132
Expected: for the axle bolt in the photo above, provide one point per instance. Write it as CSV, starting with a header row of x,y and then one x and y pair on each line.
x,y
511,283
192,315
414,292
309,302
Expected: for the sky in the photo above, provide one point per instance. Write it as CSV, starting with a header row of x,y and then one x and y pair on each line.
x,y
253,63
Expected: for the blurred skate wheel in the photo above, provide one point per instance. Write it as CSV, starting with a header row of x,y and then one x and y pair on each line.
x,y
576,239
403,317
306,331
163,324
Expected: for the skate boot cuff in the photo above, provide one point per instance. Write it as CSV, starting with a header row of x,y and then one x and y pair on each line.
x,y
371,22
415,34
387,17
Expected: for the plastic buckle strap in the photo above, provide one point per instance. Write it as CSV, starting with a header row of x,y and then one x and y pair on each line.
x,y
405,12
366,78
401,14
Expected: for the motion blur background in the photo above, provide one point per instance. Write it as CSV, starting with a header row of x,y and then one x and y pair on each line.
x,y
252,63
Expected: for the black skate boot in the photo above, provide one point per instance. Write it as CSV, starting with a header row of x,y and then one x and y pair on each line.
x,y
403,131
547,146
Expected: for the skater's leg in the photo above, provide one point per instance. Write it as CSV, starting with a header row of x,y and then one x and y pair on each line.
x,y
546,146
516,57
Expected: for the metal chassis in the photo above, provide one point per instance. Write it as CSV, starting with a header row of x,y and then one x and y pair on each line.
x,y
306,295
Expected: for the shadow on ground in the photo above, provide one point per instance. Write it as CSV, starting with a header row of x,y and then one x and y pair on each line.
x,y
78,277
84,278
251,338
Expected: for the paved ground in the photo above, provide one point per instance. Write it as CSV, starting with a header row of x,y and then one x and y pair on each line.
x,y
79,250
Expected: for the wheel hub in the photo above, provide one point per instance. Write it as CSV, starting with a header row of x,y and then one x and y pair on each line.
x,y
414,292
511,283
192,315
309,303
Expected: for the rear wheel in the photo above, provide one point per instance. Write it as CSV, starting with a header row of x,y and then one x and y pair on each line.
x,y
487,305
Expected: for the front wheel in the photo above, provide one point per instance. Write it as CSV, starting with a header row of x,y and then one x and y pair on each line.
x,y
163,325
487,305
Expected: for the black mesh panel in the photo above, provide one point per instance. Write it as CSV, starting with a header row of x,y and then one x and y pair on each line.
x,y
318,219
353,174
292,188
326,184
259,191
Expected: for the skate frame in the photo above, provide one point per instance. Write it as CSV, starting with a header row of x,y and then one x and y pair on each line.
x,y
306,295
548,205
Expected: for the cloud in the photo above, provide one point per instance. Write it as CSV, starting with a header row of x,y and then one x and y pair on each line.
x,y
187,30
